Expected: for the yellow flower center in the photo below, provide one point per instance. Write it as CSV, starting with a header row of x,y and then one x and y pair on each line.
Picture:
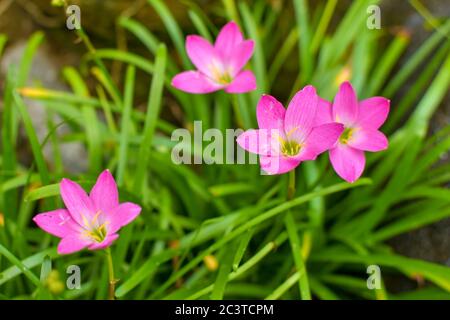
x,y
346,135
290,148
220,75
97,234
93,230
224,78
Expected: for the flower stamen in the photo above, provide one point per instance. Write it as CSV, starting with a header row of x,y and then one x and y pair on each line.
x,y
97,234
346,135
93,230
290,148
219,75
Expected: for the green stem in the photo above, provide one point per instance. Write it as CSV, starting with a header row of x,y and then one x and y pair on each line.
x,y
237,111
289,221
291,185
111,279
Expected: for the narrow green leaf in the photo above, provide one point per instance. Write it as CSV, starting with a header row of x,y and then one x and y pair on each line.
x,y
125,125
153,109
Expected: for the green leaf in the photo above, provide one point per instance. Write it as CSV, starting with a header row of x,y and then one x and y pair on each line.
x,y
125,125
47,191
153,109
20,266
438,274
33,139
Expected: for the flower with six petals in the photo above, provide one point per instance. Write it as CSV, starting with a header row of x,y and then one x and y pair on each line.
x,y
219,66
90,221
286,137
361,121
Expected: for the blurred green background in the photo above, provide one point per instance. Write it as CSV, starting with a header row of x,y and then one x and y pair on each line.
x,y
76,102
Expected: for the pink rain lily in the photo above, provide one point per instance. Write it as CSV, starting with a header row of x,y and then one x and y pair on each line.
x,y
361,121
219,66
89,221
285,138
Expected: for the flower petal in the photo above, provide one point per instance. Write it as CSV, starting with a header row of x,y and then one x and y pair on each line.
x,y
323,114
202,54
243,82
229,37
194,82
368,140
278,165
109,239
104,194
71,244
321,139
240,56
347,162
345,105
301,113
123,215
263,141
77,201
373,112
270,113
58,223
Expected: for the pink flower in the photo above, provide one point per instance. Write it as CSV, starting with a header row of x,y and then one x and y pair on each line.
x,y
219,66
361,121
288,137
89,221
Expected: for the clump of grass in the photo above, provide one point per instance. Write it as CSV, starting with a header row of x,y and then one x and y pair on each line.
x,y
231,213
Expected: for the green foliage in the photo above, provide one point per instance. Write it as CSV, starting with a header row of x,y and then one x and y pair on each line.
x,y
319,243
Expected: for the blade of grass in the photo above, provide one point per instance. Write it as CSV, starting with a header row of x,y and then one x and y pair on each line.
x,y
296,247
3,41
254,222
246,266
9,164
200,25
303,29
93,136
125,125
243,244
16,261
231,10
438,274
147,38
282,55
28,263
258,63
417,88
127,57
323,25
141,274
416,59
224,273
387,62
172,28
153,109
33,139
